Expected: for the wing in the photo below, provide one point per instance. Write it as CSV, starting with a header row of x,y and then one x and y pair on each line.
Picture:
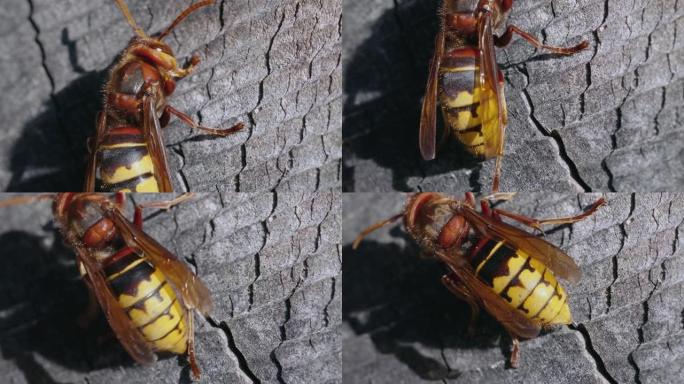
x,y
155,145
491,92
92,162
428,113
194,293
514,321
550,255
129,336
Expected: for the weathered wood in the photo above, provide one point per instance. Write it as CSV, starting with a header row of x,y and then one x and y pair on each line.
x,y
272,263
606,119
402,325
274,65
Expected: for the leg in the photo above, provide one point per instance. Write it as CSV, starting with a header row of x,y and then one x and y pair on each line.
x,y
120,200
497,172
470,199
164,204
191,345
515,352
537,223
461,291
211,131
505,39
500,196
486,208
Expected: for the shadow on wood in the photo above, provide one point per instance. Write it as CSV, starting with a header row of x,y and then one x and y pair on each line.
x,y
51,154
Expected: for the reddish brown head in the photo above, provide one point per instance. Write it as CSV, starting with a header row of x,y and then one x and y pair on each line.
x,y
81,215
432,220
147,61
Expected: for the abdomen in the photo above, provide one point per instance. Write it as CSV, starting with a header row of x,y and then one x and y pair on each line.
x,y
464,103
149,301
523,282
124,163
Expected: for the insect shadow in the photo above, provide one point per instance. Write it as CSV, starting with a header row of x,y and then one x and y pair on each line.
x,y
396,297
384,80
43,296
51,153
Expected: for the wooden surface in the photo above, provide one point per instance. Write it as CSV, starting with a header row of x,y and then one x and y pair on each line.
x,y
402,326
607,119
273,266
274,65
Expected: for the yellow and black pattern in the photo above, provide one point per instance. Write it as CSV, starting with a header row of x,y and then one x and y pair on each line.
x,y
150,302
523,281
125,163
470,111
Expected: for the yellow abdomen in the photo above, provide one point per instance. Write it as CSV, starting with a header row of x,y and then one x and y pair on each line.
x,y
124,163
150,302
524,282
469,110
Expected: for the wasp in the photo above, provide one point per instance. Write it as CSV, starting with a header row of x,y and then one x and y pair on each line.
x,y
466,81
509,272
127,153
147,295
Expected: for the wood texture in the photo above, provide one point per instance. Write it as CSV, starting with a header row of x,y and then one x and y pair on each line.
x,y
402,326
274,65
607,119
271,261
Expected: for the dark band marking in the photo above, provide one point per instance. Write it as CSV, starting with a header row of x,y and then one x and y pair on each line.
x,y
482,254
472,108
496,265
129,281
140,303
515,281
460,58
477,128
165,312
453,83
118,263
476,145
547,301
126,184
110,159
521,307
560,306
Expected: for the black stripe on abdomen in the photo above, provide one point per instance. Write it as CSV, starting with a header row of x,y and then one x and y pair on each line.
x,y
130,184
482,254
496,265
453,83
129,281
118,265
112,158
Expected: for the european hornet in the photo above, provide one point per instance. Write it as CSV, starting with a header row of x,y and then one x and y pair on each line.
x,y
505,270
146,293
127,153
465,78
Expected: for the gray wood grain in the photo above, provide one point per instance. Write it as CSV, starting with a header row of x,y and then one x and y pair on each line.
x,y
606,119
271,261
274,65
402,326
